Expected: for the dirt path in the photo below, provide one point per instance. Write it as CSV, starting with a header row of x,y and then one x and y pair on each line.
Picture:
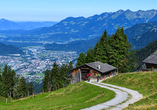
x,y
123,97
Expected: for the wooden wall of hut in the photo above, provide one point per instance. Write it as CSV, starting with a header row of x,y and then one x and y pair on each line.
x,y
151,65
76,76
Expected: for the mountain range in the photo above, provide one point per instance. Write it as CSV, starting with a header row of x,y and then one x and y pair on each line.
x,y
11,25
80,28
140,27
139,35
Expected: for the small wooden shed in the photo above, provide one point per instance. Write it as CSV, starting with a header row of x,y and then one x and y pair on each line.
x,y
80,73
150,62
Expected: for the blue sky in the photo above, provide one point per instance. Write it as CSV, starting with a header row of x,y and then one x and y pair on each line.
x,y
56,10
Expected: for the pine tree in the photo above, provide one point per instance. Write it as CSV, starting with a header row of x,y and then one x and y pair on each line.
x,y
63,75
106,47
46,81
114,50
120,47
132,61
30,88
69,76
22,87
5,82
55,76
81,59
11,78
90,55
70,66
16,91
97,56
102,48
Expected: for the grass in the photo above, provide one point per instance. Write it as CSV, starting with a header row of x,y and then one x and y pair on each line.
x,y
3,100
38,80
40,74
73,97
27,73
143,82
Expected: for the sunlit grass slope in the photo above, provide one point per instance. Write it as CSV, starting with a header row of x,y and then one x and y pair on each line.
x,y
3,99
144,82
73,97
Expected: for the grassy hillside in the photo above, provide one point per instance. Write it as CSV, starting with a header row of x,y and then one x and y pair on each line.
x,y
144,82
3,100
74,97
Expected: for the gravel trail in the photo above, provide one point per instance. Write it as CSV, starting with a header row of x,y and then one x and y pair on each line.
x,y
123,98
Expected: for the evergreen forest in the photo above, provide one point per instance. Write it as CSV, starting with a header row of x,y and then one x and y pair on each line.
x,y
58,77
143,53
14,86
112,49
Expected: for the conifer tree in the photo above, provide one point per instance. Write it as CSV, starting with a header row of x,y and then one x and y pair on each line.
x,y
90,55
102,48
30,88
16,91
70,66
120,55
114,50
22,87
63,74
11,79
5,82
69,76
46,81
132,61
97,56
55,76
106,47
81,59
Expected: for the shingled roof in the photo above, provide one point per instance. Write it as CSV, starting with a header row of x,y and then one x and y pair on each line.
x,y
152,59
104,67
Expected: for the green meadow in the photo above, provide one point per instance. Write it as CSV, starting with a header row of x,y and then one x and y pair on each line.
x,y
143,82
73,97
82,95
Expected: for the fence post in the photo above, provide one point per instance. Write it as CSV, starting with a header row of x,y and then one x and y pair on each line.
x,y
25,96
34,94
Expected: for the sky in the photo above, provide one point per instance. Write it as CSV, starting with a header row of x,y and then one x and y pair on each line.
x,y
57,10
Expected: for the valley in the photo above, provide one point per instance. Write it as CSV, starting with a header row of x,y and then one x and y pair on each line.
x,y
30,48
35,61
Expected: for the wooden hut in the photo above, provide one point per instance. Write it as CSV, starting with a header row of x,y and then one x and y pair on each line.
x,y
80,73
150,62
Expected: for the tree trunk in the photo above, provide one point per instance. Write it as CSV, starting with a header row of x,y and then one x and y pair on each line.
x,y
28,94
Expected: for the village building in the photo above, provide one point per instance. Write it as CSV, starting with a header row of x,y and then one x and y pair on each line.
x,y
80,73
150,62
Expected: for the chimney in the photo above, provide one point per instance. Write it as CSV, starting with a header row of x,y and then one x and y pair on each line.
x,y
99,67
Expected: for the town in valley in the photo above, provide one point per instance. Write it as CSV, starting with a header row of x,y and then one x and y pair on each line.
x,y
35,61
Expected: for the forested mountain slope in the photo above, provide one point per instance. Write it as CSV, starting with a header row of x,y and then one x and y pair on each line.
x,y
139,29
140,41
9,49
143,53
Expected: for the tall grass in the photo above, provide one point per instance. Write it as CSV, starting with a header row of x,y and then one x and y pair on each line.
x,y
73,97
144,82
